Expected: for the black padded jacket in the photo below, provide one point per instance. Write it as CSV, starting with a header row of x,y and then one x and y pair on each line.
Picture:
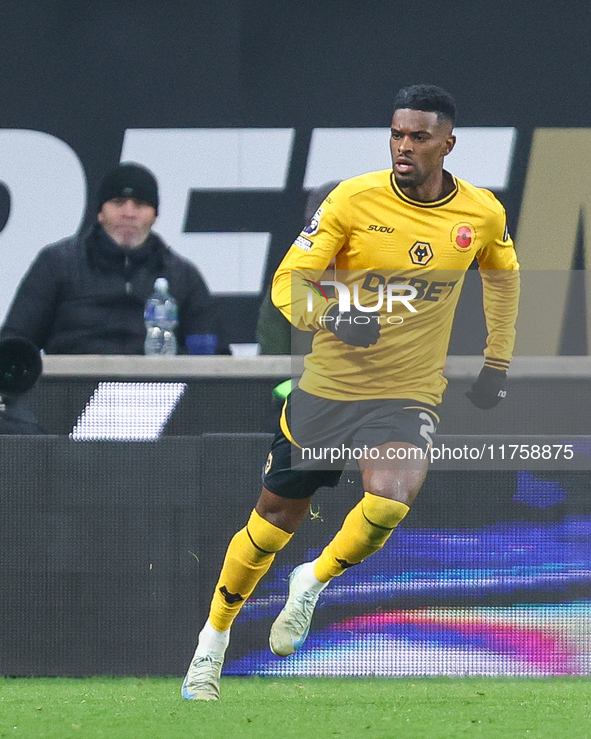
x,y
86,295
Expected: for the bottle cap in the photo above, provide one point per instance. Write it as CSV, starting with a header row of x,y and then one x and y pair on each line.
x,y
161,284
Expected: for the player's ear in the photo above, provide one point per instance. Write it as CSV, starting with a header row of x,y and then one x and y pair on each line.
x,y
450,142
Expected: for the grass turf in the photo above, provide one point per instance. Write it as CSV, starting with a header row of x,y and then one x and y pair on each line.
x,y
302,708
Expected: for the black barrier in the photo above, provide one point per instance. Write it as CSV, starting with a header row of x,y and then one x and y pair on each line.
x,y
552,405
109,551
208,405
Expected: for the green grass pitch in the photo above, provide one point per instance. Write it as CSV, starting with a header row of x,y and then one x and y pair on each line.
x,y
302,708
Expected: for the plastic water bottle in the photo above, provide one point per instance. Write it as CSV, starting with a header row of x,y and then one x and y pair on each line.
x,y
160,317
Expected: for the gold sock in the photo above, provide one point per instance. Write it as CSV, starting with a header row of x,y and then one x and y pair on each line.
x,y
249,556
365,530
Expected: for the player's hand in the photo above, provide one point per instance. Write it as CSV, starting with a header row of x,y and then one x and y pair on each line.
x,y
489,388
354,327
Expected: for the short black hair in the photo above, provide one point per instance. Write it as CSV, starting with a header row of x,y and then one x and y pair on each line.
x,y
429,98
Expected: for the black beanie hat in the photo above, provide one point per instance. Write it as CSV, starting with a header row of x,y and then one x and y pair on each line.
x,y
129,180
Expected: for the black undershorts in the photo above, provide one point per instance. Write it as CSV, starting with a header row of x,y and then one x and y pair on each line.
x,y
316,430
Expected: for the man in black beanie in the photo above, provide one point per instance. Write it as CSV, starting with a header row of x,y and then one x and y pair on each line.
x,y
128,204
86,294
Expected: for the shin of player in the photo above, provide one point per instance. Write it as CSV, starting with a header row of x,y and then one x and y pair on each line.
x,y
365,530
249,556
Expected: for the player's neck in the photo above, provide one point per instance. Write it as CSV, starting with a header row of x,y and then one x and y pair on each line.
x,y
435,188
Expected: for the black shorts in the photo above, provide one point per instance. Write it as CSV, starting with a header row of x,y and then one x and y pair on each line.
x,y
301,460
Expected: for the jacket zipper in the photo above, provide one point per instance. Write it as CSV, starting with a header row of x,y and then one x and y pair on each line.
x,y
126,270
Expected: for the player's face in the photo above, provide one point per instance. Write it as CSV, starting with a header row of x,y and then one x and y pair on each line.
x,y
418,143
127,221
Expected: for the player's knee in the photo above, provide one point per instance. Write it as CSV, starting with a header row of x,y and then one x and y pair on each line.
x,y
400,493
400,487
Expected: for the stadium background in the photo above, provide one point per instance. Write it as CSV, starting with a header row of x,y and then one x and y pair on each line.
x,y
108,549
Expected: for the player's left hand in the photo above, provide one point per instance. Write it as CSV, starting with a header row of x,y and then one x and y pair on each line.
x,y
489,388
347,328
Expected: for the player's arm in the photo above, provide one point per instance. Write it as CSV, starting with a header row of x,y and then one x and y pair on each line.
x,y
302,268
499,271
296,289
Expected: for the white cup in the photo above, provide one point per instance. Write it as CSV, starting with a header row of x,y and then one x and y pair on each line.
x,y
245,350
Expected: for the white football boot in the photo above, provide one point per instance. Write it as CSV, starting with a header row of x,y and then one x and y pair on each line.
x,y
202,681
290,628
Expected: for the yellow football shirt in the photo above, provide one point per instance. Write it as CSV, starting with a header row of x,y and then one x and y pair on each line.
x,y
378,236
